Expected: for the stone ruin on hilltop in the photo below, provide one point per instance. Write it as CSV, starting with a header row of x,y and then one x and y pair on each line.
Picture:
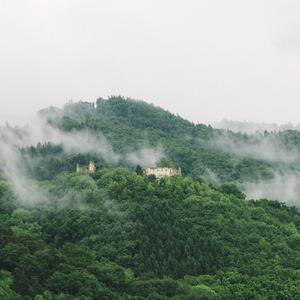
x,y
162,172
91,168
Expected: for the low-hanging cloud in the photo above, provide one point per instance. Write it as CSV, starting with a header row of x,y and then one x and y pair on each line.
x,y
81,141
252,127
283,187
145,156
266,148
27,191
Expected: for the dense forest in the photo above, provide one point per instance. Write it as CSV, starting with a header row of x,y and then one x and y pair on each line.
x,y
198,149
117,234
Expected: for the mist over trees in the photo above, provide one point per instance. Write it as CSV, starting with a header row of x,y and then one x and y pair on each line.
x,y
252,128
117,234
124,132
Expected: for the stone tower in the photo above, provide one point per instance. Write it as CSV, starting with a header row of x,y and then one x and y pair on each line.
x,y
91,167
162,172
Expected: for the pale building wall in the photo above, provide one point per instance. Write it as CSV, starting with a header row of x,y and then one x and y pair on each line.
x,y
91,168
162,172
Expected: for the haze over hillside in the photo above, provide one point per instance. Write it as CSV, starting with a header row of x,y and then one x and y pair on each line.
x,y
252,128
114,198
123,132
118,234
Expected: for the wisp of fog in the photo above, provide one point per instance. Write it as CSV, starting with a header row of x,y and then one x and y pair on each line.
x,y
84,141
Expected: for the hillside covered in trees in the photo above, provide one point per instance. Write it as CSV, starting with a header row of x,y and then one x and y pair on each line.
x,y
200,150
117,234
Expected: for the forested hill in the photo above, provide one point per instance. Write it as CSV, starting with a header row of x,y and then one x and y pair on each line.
x,y
117,234
200,150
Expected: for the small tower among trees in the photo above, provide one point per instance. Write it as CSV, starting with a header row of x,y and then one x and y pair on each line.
x,y
91,168
164,168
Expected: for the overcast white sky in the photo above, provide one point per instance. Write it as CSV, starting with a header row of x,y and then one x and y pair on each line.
x,y
206,60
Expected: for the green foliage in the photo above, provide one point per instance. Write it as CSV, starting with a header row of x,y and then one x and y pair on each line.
x,y
6,291
139,170
164,163
131,237
7,198
128,125
117,234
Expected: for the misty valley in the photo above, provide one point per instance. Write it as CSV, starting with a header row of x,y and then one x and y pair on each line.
x,y
120,199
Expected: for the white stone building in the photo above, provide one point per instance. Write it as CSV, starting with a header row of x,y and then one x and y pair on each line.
x,y
91,168
162,172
